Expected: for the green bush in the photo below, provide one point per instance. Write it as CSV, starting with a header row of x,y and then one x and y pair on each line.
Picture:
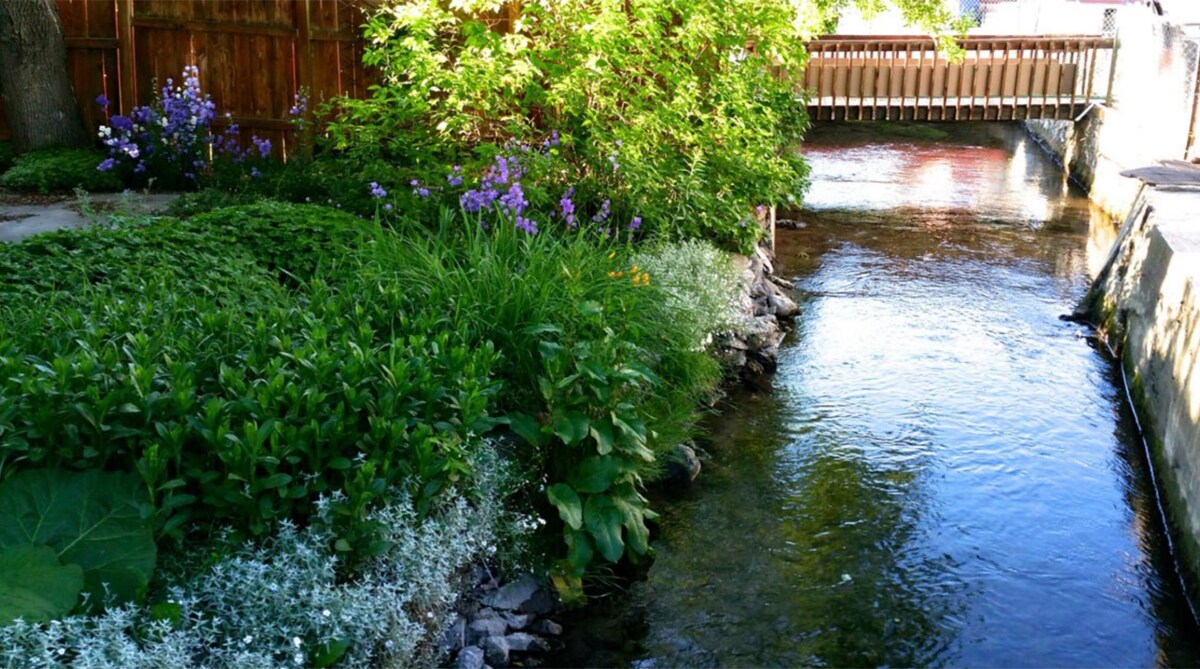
x,y
58,170
245,403
666,96
600,375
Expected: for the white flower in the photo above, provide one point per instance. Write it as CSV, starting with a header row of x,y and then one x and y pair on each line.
x,y
247,639
298,658
133,152
296,641
326,613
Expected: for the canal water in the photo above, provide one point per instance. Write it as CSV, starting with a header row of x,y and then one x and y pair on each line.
x,y
942,472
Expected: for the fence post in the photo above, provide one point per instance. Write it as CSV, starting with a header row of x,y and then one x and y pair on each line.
x,y
1112,68
304,56
125,56
1191,138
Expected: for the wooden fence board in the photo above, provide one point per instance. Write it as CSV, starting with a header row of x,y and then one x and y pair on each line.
x,y
253,55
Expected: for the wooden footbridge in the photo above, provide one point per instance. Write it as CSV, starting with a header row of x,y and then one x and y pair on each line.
x,y
998,78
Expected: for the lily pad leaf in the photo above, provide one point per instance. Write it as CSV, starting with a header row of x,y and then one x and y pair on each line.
x,y
35,586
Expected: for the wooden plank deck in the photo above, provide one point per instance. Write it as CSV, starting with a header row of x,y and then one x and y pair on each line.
x,y
996,78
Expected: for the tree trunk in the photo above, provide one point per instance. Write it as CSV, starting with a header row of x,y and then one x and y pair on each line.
x,y
39,99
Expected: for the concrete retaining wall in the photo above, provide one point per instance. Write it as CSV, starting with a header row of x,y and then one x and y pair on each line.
x,y
1147,300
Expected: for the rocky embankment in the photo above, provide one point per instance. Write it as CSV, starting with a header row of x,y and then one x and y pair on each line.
x,y
767,309
502,625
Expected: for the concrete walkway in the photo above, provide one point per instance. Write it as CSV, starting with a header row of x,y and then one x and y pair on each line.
x,y
20,221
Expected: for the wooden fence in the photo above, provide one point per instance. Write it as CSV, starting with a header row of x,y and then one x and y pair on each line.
x,y
253,55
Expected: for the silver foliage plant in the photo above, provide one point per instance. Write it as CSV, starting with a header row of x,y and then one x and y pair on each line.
x,y
704,286
280,602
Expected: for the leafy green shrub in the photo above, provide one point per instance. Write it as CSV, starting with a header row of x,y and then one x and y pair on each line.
x,y
246,403
598,376
58,170
293,239
679,98
702,286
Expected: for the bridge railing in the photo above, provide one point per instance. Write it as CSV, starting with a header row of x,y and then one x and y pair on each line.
x,y
906,77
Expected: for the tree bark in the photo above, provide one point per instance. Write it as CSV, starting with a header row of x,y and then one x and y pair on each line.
x,y
39,99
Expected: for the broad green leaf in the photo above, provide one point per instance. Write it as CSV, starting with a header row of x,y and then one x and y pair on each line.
x,y
571,428
569,507
579,551
595,474
630,506
330,652
604,522
35,586
527,428
549,349
90,519
602,432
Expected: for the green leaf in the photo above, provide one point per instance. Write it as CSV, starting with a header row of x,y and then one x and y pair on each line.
x,y
550,350
330,652
595,474
90,519
604,521
571,428
527,428
569,507
602,432
171,612
579,551
35,586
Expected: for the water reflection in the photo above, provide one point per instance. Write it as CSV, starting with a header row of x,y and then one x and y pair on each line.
x,y
944,472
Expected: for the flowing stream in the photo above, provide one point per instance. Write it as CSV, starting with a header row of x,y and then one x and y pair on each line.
x,y
942,472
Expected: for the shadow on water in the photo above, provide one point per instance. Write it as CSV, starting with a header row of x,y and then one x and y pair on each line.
x,y
943,472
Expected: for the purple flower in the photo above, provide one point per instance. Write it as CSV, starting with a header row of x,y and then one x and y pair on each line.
x,y
526,225
602,215
387,207
254,173
263,146
514,200
474,201
299,106
635,223
106,164
102,100
377,191
455,178
567,207
418,189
